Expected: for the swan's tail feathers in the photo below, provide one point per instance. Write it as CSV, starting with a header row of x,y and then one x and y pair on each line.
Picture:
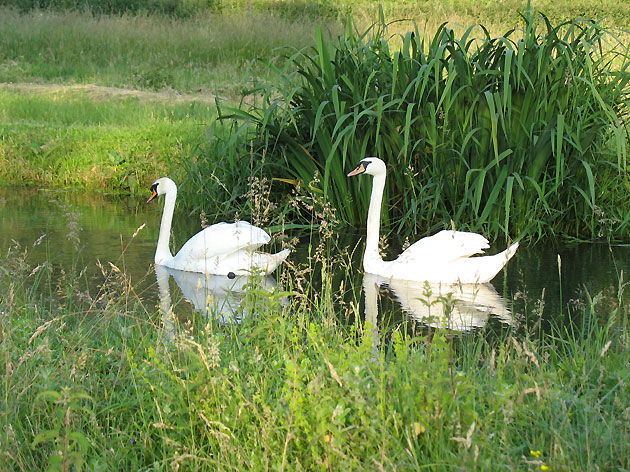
x,y
271,261
505,256
282,255
489,266
509,252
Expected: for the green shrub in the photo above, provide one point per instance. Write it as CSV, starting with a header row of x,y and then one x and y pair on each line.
x,y
515,136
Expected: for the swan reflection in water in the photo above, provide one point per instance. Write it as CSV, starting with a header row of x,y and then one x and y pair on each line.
x,y
218,296
459,307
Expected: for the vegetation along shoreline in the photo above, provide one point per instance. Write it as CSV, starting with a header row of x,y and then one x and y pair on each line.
x,y
517,130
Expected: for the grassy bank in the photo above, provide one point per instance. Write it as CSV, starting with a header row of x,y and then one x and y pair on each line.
x,y
614,14
208,54
101,381
98,138
109,102
211,51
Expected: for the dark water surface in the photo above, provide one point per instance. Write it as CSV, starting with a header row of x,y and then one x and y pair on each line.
x,y
78,229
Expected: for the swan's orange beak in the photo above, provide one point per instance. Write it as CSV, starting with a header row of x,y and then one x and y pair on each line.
x,y
359,170
153,194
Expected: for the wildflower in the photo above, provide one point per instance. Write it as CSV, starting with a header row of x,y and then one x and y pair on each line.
x,y
214,353
418,428
535,453
204,219
209,303
544,467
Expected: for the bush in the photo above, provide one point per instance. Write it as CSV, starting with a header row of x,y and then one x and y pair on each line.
x,y
522,135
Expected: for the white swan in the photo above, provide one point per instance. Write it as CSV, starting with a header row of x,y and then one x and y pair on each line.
x,y
443,257
222,249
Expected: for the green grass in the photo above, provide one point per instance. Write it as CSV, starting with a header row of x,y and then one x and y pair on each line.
x,y
103,383
211,51
616,14
57,133
91,138
208,54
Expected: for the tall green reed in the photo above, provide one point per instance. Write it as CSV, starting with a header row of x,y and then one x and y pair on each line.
x,y
514,136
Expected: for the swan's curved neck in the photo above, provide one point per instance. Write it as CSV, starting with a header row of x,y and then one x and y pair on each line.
x,y
374,217
162,252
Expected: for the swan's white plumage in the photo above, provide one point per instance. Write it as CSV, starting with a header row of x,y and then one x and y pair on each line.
x,y
443,257
220,249
446,246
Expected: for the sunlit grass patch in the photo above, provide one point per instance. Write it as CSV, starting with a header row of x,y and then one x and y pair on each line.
x,y
71,137
210,53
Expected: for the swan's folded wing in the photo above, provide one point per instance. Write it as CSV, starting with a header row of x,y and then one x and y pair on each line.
x,y
223,238
445,246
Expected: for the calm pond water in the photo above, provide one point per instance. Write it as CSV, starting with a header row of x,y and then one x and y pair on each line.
x,y
81,229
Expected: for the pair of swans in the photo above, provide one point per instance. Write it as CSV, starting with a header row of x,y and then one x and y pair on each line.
x,y
230,248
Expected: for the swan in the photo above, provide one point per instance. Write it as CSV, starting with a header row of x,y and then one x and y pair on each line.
x,y
443,257
221,249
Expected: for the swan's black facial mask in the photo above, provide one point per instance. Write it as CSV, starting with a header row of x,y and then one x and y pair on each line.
x,y
361,168
154,193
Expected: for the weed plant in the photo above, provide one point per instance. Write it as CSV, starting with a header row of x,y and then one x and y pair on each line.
x,y
523,135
